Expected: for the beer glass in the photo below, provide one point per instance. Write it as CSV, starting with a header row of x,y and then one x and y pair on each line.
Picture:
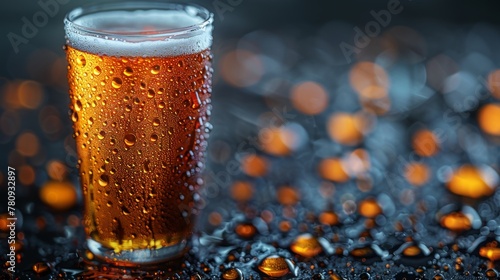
x,y
139,84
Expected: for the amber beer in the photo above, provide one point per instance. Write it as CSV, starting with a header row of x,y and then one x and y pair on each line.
x,y
140,86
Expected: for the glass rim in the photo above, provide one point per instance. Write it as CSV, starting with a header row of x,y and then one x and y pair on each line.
x,y
191,9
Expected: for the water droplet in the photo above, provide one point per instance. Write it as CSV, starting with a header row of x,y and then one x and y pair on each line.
x,y
97,71
170,130
109,204
103,180
74,117
169,69
232,274
81,60
101,135
306,245
116,82
129,139
78,105
195,100
128,71
456,221
161,105
369,208
153,138
125,211
155,69
491,274
274,266
245,230
151,93
156,122
41,268
329,218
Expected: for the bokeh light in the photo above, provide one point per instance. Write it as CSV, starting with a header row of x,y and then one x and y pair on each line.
x,y
425,143
58,195
241,68
27,144
346,129
489,119
474,182
309,98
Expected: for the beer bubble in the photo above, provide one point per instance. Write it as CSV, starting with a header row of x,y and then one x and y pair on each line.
x,y
128,71
155,69
161,105
128,108
103,180
112,141
169,69
109,204
81,60
114,151
116,83
101,135
78,105
112,171
143,85
137,101
161,90
153,138
97,70
129,139
180,63
151,93
170,130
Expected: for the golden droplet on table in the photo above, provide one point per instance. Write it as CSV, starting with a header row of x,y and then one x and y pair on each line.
x,y
456,221
232,274
474,182
369,208
306,245
490,252
412,251
245,230
328,218
40,268
274,266
288,195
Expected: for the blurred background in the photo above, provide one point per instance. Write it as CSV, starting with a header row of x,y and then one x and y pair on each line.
x,y
353,122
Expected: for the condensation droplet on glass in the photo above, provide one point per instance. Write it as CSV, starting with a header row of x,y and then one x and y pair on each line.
x,y
103,180
116,82
129,139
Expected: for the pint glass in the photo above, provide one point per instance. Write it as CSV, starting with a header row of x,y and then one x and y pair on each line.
x,y
139,84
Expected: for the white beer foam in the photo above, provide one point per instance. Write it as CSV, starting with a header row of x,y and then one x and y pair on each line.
x,y
120,22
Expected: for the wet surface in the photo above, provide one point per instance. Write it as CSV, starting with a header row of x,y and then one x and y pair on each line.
x,y
382,167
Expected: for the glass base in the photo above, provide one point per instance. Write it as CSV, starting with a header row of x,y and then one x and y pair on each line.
x,y
137,258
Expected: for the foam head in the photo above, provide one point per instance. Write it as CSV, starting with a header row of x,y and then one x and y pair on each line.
x,y
140,32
